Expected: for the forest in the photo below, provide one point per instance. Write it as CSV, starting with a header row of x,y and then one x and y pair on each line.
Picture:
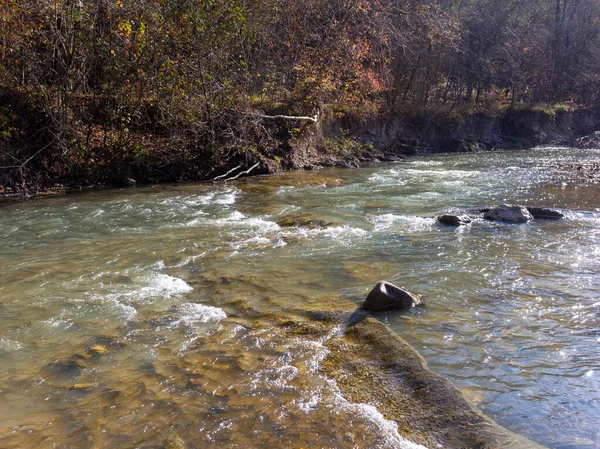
x,y
99,91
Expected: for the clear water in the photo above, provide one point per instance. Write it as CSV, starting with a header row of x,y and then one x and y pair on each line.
x,y
146,317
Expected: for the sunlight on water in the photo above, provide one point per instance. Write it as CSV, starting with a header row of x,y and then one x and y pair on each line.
x,y
155,316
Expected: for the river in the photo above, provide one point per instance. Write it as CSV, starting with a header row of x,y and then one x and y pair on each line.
x,y
147,317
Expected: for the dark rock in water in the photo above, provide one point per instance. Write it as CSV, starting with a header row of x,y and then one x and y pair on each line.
x,y
390,157
64,371
388,296
69,369
544,213
478,213
109,340
110,394
217,410
454,220
509,213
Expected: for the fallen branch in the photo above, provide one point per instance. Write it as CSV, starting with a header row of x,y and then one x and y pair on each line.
x,y
247,172
314,119
226,174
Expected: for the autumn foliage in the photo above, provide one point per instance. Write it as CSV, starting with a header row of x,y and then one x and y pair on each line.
x,y
100,90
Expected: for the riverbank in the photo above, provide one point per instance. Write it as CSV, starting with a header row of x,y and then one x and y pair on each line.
x,y
457,131
38,159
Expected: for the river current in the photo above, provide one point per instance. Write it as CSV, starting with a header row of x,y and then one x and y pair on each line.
x,y
147,317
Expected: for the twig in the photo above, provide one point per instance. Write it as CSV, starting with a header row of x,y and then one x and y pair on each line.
x,y
226,174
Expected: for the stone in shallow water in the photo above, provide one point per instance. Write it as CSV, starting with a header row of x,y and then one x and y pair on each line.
x,y
386,295
82,387
544,213
454,220
306,221
97,350
65,370
509,213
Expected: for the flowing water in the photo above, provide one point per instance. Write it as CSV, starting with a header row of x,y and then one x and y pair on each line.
x,y
151,317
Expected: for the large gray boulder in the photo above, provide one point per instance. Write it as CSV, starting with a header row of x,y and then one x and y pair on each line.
x,y
509,213
386,295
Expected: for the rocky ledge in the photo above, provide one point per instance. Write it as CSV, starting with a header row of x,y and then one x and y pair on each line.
x,y
371,364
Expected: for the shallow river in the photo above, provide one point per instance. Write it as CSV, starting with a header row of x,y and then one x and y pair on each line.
x,y
146,318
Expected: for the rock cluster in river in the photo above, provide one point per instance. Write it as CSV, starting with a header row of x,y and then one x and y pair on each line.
x,y
507,213
386,295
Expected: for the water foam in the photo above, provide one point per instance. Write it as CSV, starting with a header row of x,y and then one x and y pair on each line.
x,y
384,426
312,354
160,285
120,295
226,198
443,174
408,223
7,345
192,314
425,163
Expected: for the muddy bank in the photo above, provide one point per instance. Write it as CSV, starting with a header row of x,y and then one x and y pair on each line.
x,y
454,131
371,364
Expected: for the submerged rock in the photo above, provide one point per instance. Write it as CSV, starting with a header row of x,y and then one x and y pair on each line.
x,y
544,213
386,295
372,364
82,387
509,213
454,220
69,369
65,370
306,221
